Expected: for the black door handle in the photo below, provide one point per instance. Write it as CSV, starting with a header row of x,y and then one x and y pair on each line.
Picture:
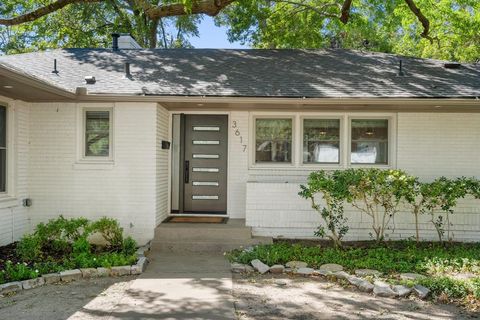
x,y
187,171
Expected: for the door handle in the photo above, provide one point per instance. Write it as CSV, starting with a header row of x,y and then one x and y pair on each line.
x,y
187,171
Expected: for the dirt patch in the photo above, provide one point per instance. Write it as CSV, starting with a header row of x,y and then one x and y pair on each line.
x,y
282,297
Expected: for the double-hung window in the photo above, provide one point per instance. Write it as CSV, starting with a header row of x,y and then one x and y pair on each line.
x,y
3,149
369,141
97,134
273,140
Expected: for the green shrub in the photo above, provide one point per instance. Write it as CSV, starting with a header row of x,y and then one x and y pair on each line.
x,y
29,248
129,246
81,245
19,271
110,230
453,288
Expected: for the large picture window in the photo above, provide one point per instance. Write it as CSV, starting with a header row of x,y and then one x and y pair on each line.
x,y
369,139
97,133
321,141
273,140
3,149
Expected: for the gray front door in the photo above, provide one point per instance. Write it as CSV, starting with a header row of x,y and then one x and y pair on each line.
x,y
205,163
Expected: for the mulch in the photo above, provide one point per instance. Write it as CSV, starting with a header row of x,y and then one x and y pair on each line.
x,y
7,253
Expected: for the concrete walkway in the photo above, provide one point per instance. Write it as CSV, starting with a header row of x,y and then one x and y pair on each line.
x,y
173,287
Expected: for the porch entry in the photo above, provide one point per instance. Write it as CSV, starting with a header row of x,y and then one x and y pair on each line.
x,y
200,150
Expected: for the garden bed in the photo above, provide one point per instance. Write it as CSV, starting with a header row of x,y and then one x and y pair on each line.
x,y
452,271
62,246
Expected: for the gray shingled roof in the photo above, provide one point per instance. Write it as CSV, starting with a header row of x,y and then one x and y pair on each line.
x,y
249,73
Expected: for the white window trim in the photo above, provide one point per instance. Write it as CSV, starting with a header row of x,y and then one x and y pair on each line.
x,y
252,138
81,122
331,166
391,160
345,139
8,197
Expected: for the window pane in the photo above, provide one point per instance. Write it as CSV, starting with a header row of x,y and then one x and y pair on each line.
x,y
3,127
97,133
273,140
321,141
370,141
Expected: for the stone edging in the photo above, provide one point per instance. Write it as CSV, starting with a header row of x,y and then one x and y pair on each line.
x,y
378,288
77,274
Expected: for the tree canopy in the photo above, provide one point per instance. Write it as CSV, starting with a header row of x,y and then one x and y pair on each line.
x,y
446,29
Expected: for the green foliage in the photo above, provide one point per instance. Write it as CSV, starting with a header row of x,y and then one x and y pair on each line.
x,y
29,248
376,25
436,261
62,244
129,246
110,230
19,271
334,191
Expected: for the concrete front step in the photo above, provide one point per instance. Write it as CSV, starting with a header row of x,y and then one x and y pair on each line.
x,y
233,230
206,246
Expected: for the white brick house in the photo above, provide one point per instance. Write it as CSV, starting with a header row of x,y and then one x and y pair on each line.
x,y
101,148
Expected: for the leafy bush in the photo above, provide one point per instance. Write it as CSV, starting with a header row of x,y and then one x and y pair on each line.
x,y
129,246
62,244
452,288
110,230
334,191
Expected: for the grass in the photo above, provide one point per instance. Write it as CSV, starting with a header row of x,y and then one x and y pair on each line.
x,y
440,263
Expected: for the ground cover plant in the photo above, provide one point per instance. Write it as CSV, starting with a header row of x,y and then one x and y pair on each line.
x,y
62,244
443,264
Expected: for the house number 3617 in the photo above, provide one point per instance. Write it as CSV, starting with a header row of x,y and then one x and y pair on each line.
x,y
237,133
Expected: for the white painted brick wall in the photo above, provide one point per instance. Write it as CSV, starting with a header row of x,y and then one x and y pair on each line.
x,y
429,145
238,164
126,191
162,174
13,216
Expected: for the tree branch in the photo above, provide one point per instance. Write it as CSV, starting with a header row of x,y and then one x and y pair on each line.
x,y
40,12
345,11
423,20
208,7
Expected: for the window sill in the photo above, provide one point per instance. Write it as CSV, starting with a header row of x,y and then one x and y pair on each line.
x,y
93,165
8,202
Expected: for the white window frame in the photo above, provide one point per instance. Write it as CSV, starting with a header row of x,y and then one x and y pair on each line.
x,y
341,162
345,139
391,159
252,138
81,134
8,197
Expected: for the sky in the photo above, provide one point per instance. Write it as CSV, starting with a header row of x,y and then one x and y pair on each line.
x,y
212,36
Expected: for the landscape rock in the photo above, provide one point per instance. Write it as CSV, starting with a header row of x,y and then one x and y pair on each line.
x,y
331,267
296,264
10,287
120,271
51,278
411,276
277,268
288,270
103,272
135,269
464,276
260,266
367,272
341,275
304,271
71,275
32,283
237,267
361,284
382,289
402,291
421,291
89,272
249,269
322,272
